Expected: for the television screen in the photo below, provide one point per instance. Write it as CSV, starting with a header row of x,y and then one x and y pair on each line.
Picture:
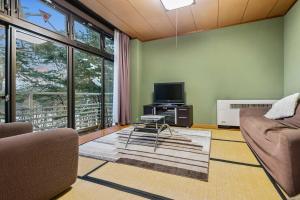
x,y
169,93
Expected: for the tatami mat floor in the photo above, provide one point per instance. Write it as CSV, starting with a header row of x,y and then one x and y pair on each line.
x,y
234,174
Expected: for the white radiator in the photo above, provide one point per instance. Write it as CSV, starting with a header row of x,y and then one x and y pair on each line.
x,y
228,111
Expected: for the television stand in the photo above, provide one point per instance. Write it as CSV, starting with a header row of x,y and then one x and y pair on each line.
x,y
175,115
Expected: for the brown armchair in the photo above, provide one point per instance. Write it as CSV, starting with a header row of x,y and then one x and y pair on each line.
x,y
36,165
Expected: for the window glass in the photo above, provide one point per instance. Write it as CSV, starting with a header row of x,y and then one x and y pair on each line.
x,y
86,35
88,90
109,88
109,45
42,14
2,73
41,82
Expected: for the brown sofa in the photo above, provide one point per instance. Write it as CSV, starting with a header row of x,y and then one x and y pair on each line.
x,y
36,166
277,144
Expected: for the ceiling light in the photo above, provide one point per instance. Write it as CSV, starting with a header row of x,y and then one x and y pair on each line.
x,y
174,4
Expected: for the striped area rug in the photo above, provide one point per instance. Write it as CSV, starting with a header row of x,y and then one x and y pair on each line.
x,y
186,153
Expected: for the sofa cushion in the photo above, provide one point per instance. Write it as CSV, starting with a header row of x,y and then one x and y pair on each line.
x,y
284,107
259,126
292,122
264,131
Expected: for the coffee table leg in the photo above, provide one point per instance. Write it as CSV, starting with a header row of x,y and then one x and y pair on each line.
x,y
129,138
170,129
156,141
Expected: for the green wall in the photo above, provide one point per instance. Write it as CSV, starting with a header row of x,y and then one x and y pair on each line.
x,y
238,62
292,50
135,77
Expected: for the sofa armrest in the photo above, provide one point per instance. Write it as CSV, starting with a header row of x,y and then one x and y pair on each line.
x,y
290,150
16,128
38,165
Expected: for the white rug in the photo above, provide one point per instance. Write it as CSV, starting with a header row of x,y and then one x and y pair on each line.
x,y
185,153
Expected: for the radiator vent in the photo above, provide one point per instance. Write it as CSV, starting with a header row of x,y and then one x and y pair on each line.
x,y
228,111
239,106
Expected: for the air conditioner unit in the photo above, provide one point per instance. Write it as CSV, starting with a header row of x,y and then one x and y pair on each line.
x,y
228,111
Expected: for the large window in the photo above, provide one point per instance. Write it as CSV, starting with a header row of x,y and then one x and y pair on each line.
x,y
2,73
57,70
41,82
109,88
88,90
43,14
86,35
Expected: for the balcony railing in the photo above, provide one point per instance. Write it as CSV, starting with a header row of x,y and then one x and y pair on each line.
x,y
54,115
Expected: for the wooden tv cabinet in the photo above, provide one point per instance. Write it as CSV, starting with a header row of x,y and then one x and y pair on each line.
x,y
175,115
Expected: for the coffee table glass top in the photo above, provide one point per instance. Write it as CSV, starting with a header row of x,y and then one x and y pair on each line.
x,y
152,117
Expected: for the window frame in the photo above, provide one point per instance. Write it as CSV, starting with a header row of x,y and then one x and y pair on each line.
x,y
6,7
6,75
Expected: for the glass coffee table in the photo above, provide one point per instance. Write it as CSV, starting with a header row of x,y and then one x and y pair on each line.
x,y
150,124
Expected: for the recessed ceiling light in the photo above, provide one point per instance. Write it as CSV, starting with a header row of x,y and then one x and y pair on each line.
x,y
174,4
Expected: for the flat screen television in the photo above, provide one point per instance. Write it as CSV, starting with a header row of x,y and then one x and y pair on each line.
x,y
169,93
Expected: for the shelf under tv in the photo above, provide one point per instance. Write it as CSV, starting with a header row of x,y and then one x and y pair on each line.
x,y
175,115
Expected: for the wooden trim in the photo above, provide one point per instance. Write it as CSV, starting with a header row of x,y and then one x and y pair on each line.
x,y
273,7
290,7
215,126
205,126
243,16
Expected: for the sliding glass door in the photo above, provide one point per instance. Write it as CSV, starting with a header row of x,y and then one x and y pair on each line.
x,y
41,82
41,85
2,72
88,90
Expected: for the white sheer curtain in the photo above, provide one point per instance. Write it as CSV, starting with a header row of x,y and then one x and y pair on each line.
x,y
116,78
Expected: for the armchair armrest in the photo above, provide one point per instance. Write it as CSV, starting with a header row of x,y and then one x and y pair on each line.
x,y
16,128
38,165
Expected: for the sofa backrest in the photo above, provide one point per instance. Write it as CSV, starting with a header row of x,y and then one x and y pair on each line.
x,y
15,128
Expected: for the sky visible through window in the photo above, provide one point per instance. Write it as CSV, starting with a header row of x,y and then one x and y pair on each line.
x,y
41,14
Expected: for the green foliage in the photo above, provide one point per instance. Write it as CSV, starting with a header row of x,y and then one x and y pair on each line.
x,y
88,72
43,68
86,35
